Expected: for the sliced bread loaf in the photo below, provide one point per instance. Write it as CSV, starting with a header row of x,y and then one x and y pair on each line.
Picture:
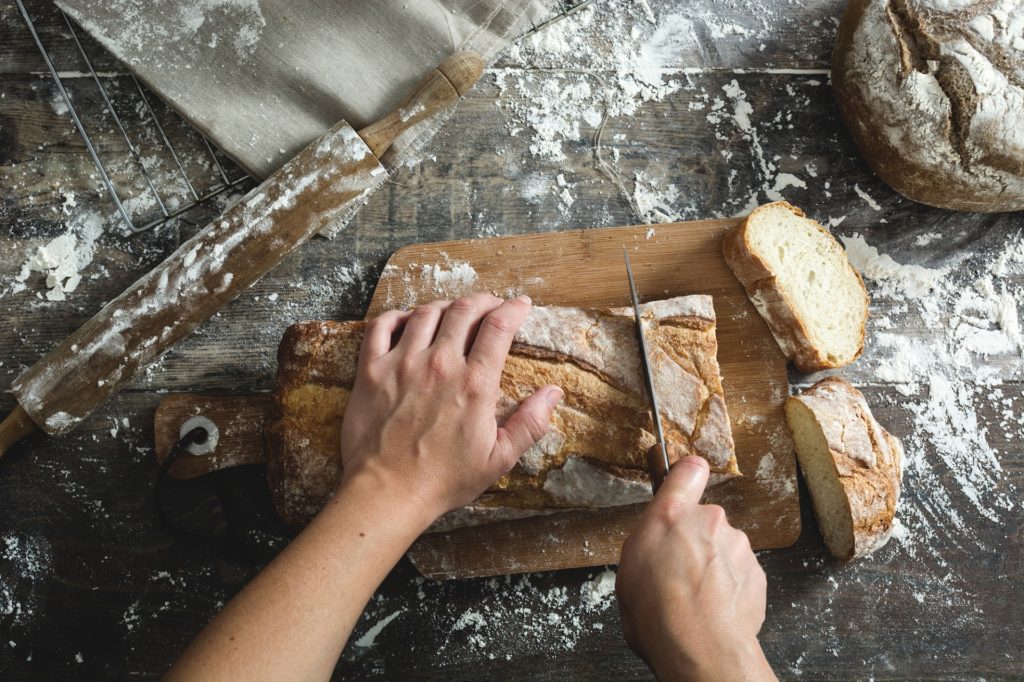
x,y
798,277
593,456
853,467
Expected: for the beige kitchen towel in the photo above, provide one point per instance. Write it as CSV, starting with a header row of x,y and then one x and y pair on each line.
x,y
263,78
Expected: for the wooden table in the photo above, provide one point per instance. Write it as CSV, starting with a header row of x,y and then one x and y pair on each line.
x,y
91,586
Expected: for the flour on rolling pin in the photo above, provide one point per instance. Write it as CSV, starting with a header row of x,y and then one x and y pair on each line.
x,y
324,184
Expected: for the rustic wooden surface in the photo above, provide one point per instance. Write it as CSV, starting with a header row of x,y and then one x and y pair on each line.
x,y
91,586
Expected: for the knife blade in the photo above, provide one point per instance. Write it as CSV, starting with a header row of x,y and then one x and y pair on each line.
x,y
657,457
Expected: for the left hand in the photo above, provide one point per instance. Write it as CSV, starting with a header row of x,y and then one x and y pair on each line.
x,y
422,413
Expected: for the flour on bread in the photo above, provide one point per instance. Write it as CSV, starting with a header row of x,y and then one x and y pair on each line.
x,y
581,484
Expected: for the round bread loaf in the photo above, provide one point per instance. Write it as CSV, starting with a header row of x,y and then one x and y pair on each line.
x,y
932,92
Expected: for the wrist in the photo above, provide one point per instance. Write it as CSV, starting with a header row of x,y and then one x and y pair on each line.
x,y
382,490
736,660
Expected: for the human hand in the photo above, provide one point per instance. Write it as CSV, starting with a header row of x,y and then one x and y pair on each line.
x,y
422,414
691,592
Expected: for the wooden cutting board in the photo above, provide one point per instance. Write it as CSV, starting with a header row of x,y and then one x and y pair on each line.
x,y
579,268
585,268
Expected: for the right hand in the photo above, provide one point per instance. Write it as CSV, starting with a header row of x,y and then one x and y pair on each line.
x,y
691,592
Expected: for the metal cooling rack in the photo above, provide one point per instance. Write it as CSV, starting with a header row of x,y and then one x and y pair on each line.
x,y
568,8
192,189
168,204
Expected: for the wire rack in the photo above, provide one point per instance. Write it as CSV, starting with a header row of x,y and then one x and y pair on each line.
x,y
151,174
128,136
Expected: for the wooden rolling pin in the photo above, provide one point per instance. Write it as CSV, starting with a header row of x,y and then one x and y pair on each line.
x,y
325,183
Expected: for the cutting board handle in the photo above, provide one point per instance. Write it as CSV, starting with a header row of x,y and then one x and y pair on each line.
x,y
16,426
239,420
438,91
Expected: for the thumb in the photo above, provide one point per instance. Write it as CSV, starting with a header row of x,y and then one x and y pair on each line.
x,y
685,482
526,426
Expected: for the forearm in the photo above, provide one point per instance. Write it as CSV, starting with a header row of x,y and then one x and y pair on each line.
x,y
293,619
742,661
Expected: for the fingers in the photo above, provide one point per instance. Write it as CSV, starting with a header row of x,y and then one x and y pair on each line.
x,y
526,426
461,320
378,335
422,325
497,329
686,481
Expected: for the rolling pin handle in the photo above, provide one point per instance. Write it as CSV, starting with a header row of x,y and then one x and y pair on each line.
x,y
16,426
440,90
463,70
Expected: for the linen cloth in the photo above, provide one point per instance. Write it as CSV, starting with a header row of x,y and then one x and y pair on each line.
x,y
264,78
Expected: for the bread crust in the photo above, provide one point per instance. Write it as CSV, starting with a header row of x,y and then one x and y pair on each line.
x,y
775,307
919,136
594,454
867,460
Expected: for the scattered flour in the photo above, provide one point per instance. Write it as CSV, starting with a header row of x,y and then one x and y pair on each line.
x,y
25,560
598,591
782,181
510,617
867,198
564,84
946,374
187,30
446,279
63,258
913,281
733,115
450,279
370,636
1012,255
654,202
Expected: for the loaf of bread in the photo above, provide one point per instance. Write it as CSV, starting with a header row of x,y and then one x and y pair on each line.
x,y
853,467
932,92
593,455
798,277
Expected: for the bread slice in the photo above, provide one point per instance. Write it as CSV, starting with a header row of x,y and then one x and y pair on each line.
x,y
594,454
798,277
853,467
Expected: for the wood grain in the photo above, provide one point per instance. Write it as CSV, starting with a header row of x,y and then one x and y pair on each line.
x,y
585,268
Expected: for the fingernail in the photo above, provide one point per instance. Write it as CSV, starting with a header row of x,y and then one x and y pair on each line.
x,y
554,396
525,299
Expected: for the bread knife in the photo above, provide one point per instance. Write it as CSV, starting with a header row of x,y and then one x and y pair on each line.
x,y
657,456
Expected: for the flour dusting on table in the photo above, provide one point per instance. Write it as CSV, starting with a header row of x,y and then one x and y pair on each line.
x,y
566,88
24,561
511,617
944,378
62,260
